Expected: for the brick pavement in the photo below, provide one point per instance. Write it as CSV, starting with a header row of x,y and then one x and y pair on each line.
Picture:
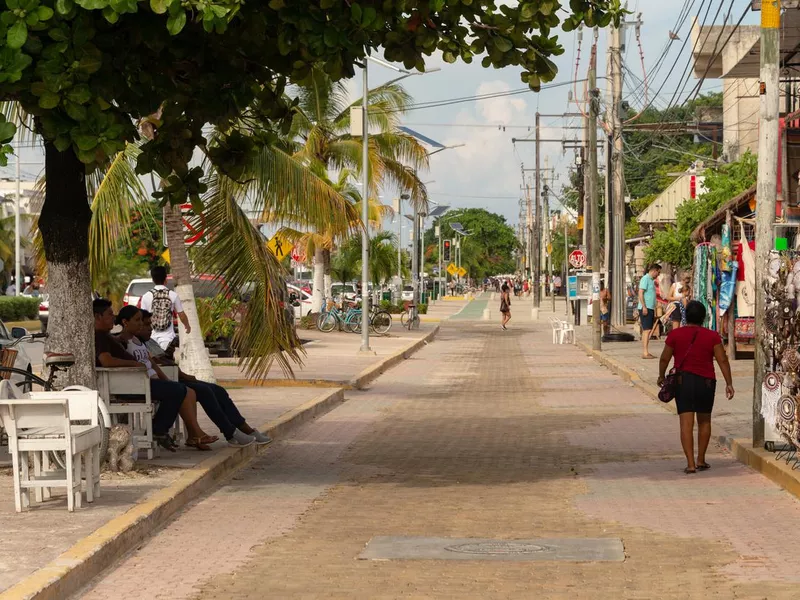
x,y
503,452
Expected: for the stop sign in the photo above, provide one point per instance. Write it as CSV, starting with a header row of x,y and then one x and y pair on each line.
x,y
577,259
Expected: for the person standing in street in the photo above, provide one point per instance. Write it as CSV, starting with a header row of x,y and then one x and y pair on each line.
x,y
505,305
557,285
162,302
694,349
605,308
647,306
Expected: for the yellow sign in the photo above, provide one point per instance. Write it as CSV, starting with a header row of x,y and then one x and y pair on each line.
x,y
580,221
462,271
280,246
452,269
165,256
549,249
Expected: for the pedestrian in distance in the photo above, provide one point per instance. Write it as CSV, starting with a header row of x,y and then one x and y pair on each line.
x,y
647,306
505,305
694,349
162,303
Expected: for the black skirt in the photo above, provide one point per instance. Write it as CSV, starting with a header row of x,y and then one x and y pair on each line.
x,y
695,393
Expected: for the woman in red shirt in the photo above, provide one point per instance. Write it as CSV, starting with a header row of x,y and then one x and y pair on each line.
x,y
695,348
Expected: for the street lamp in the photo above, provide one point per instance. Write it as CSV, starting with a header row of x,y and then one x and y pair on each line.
x,y
365,191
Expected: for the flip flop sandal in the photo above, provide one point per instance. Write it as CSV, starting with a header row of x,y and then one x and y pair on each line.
x,y
209,439
689,471
166,442
703,467
197,443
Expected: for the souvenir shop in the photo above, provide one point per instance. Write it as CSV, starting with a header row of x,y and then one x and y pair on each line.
x,y
723,272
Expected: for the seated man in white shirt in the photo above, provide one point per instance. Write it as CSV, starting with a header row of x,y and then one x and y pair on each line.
x,y
162,303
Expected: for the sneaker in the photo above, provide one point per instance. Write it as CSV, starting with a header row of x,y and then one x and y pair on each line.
x,y
262,439
241,440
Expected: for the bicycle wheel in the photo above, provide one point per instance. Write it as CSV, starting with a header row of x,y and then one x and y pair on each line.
x,y
413,323
326,322
404,319
354,322
381,322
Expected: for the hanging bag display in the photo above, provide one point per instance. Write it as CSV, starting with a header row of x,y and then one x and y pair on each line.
x,y
669,388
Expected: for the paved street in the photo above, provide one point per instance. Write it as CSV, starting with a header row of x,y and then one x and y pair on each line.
x,y
483,434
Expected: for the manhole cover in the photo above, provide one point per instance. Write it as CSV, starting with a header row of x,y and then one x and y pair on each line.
x,y
498,548
545,549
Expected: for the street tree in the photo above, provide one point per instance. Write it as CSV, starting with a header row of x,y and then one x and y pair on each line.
x,y
89,75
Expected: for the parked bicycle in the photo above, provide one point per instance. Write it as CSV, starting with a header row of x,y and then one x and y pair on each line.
x,y
333,316
380,321
55,363
410,319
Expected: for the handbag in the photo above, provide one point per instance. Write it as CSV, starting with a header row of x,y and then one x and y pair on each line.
x,y
669,388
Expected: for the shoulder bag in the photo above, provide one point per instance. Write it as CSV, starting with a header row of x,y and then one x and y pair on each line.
x,y
669,388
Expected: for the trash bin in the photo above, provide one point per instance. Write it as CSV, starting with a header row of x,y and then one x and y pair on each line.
x,y
386,296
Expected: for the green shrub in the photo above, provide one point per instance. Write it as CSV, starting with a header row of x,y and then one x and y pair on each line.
x,y
423,309
309,321
14,308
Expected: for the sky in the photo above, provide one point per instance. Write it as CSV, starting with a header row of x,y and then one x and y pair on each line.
x,y
485,171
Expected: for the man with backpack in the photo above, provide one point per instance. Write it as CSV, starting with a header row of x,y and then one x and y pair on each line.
x,y
162,302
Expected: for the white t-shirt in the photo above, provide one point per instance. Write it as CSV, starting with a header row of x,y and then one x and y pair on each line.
x,y
138,350
165,337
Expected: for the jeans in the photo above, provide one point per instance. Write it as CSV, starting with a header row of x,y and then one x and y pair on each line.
x,y
218,406
169,395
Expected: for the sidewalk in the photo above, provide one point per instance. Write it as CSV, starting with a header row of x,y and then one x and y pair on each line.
x,y
487,434
38,537
333,359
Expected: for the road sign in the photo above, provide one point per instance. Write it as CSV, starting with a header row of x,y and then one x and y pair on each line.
x,y
452,269
165,256
298,255
577,259
280,246
194,227
549,249
462,271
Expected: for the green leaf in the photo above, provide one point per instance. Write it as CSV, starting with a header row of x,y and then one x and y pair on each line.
x,y
17,35
219,11
85,141
80,94
368,16
64,6
61,143
87,157
355,12
7,131
12,4
49,100
158,6
326,4
45,13
277,4
75,111
175,23
110,15
32,19
502,44
449,57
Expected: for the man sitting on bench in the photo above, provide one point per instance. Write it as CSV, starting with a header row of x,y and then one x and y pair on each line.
x,y
172,397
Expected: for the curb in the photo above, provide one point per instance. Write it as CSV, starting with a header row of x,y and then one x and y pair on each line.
x,y
758,459
70,572
306,383
370,373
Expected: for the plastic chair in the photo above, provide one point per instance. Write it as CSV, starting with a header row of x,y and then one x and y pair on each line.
x,y
555,324
567,333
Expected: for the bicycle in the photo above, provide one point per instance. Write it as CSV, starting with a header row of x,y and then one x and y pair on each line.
x,y
380,321
330,318
410,319
57,363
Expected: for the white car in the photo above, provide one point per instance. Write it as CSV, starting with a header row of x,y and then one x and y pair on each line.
x,y
303,297
408,293
22,360
136,289
348,290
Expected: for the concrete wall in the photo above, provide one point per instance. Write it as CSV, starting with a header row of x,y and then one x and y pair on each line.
x,y
740,117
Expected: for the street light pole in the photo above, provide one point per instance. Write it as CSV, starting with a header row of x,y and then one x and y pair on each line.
x,y
17,242
365,215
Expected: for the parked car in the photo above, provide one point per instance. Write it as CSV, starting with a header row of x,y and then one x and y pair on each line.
x,y
301,297
22,361
348,290
407,294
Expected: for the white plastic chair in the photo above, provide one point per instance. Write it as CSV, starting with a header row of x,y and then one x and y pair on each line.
x,y
126,391
567,333
36,426
555,324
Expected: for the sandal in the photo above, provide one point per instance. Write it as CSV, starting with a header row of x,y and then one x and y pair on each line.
x,y
197,443
703,467
165,441
689,471
209,439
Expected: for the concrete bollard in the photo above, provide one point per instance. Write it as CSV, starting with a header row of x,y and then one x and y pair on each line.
x,y
487,314
535,314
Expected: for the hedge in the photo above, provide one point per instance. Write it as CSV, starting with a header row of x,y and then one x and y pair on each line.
x,y
18,308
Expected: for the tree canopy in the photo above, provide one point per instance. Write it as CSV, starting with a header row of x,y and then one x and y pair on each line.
x,y
87,70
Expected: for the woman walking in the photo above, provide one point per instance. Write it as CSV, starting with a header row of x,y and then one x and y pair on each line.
x,y
505,305
694,348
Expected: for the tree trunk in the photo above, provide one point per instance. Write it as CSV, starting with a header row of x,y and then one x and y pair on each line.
x,y
194,358
64,224
319,281
328,284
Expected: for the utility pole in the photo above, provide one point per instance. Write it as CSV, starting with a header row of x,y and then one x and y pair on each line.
x,y
547,240
594,223
537,291
616,282
767,189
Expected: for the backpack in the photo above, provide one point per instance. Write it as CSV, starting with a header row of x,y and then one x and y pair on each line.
x,y
161,308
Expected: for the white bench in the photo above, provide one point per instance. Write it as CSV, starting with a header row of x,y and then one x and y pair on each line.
x,y
122,388
42,424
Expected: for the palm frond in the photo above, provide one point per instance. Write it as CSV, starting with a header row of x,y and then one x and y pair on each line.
x,y
115,195
238,253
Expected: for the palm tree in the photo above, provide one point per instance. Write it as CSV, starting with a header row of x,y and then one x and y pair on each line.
x,y
382,255
320,135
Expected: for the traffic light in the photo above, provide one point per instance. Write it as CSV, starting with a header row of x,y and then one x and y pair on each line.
x,y
447,250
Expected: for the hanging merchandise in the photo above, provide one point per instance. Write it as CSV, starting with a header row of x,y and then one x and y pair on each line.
x,y
727,289
725,257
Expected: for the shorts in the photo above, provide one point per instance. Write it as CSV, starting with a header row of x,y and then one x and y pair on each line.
x,y
605,317
647,320
695,393
677,314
